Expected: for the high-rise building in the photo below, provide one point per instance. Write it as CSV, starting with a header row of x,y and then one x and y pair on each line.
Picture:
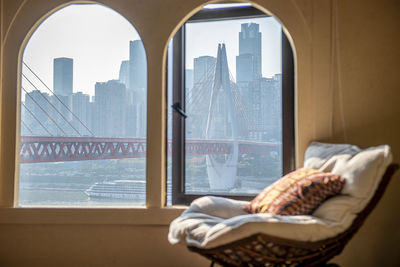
x,y
124,73
188,80
248,62
63,76
198,95
109,109
266,112
245,68
137,65
62,114
37,110
203,69
81,110
136,110
133,74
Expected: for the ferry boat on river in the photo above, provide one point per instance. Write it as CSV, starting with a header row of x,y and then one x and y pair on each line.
x,y
118,189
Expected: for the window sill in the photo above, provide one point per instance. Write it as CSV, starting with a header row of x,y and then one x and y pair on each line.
x,y
108,216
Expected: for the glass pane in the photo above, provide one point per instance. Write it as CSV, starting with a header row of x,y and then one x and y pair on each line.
x,y
169,122
233,101
83,111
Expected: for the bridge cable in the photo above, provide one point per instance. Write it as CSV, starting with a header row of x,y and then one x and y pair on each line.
x,y
205,81
45,112
204,78
239,106
52,106
195,107
26,126
33,115
200,97
205,98
59,99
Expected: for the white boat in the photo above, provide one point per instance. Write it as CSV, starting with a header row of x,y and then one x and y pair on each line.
x,y
119,189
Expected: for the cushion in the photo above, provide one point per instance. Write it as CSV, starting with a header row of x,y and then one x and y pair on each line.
x,y
361,168
212,221
297,193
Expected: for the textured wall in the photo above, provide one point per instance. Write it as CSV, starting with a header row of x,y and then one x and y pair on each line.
x,y
369,57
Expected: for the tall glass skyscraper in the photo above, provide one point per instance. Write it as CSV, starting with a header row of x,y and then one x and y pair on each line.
x,y
203,69
124,72
138,65
63,76
248,62
109,109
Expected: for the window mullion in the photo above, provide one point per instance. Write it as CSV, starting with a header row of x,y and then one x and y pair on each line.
x,y
178,125
288,142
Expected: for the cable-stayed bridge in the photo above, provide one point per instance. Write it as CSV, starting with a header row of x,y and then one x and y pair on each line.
x,y
217,125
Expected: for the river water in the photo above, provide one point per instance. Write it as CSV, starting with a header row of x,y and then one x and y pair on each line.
x,y
64,184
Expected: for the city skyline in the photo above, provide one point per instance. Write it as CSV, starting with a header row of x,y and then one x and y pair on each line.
x,y
256,99
67,113
98,45
108,116
132,81
95,36
248,51
227,32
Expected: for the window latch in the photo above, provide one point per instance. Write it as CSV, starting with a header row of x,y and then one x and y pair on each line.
x,y
178,109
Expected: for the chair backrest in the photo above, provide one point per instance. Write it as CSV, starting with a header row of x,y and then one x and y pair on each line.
x,y
260,249
362,216
333,246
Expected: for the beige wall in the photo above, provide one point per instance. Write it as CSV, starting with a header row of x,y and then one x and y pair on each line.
x,y
361,108
369,50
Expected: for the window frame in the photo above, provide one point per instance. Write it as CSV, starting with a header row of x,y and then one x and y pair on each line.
x,y
106,206
178,97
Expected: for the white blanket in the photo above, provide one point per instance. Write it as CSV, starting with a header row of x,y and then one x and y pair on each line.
x,y
213,221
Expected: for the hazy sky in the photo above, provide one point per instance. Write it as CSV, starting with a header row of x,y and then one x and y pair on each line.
x,y
203,38
97,38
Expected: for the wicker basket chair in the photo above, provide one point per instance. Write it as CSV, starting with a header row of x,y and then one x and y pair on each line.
x,y
266,250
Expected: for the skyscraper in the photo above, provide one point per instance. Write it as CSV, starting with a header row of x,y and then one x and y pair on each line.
x,y
266,113
36,103
188,80
81,109
137,65
62,76
124,72
203,69
248,62
109,109
203,76
133,74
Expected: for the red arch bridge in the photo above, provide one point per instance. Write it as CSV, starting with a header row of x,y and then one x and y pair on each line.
x,y
51,149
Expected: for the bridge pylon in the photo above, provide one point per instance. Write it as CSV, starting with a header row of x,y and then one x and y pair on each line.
x,y
222,124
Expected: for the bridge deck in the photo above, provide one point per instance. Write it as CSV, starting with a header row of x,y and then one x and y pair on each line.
x,y
52,149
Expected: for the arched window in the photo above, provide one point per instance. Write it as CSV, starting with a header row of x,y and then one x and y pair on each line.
x,y
230,93
83,111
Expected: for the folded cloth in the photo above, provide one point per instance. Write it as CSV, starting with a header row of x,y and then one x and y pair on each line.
x,y
214,221
197,227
